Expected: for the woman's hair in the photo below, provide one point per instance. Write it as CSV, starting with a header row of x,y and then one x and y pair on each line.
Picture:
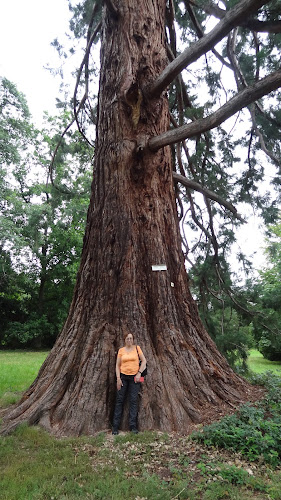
x,y
126,333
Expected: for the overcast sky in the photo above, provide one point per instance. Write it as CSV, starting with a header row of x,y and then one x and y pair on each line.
x,y
27,28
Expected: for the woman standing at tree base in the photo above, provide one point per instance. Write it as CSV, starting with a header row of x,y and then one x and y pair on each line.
x,y
128,374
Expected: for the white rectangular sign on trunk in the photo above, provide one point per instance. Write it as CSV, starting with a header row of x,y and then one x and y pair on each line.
x,y
159,267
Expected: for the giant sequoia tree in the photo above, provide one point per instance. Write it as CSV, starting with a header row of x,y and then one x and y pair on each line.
x,y
133,218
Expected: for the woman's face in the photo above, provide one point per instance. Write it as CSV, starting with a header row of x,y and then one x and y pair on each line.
x,y
129,340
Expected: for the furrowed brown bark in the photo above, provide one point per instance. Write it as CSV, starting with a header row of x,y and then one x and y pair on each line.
x,y
132,225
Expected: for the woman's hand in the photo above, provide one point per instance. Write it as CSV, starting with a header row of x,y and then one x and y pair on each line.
x,y
119,384
137,377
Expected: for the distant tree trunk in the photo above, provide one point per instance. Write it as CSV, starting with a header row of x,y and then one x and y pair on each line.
x,y
43,279
132,225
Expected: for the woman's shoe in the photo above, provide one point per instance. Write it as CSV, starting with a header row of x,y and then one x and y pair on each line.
x,y
134,431
115,432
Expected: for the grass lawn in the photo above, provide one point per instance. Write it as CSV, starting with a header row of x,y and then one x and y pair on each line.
x,y
258,364
18,369
148,466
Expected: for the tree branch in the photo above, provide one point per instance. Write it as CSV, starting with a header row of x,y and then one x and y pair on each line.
x,y
263,26
90,39
196,220
214,240
252,24
200,32
206,192
242,99
210,8
238,75
51,166
231,19
112,9
261,138
186,99
170,17
83,63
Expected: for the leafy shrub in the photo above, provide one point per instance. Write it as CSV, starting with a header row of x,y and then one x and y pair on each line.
x,y
232,474
253,431
33,332
270,346
272,382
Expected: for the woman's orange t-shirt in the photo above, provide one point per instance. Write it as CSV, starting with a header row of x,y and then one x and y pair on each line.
x,y
129,360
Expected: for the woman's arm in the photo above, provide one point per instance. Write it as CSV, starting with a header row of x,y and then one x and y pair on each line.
x,y
117,370
143,362
142,366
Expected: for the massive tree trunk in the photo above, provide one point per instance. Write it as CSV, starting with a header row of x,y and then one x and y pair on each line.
x,y
132,225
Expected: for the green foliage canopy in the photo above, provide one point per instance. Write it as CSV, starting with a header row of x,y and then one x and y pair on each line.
x,y
266,292
42,224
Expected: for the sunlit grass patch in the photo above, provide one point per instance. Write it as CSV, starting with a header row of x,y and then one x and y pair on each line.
x,y
274,489
44,467
258,364
33,464
18,369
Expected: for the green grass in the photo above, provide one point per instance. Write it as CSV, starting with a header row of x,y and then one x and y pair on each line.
x,y
18,370
149,466
258,364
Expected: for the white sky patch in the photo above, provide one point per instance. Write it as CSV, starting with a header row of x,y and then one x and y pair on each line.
x,y
27,28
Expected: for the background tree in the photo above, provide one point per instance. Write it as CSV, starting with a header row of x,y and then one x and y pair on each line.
x,y
15,134
266,294
14,124
42,223
132,219
224,311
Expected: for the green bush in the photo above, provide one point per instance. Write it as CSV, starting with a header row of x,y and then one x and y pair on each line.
x,y
272,400
35,333
253,431
270,346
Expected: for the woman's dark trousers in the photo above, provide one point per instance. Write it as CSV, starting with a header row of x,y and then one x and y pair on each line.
x,y
133,389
